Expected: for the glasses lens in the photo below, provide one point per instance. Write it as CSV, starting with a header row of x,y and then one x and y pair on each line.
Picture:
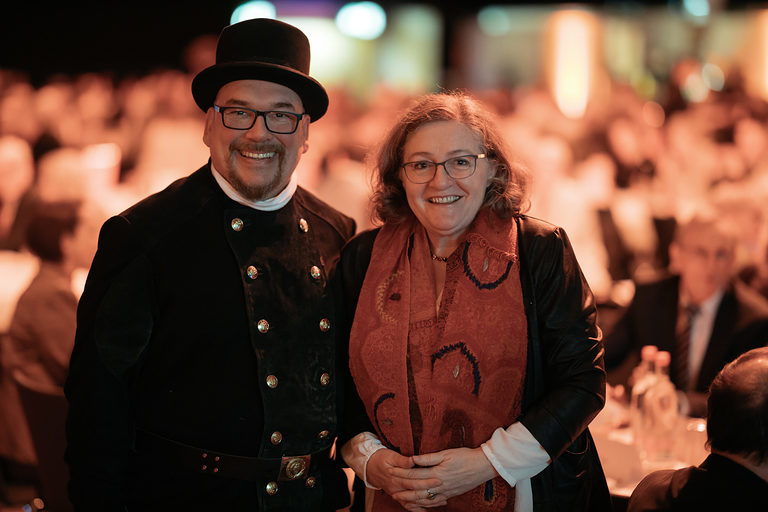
x,y
461,166
237,118
281,122
420,172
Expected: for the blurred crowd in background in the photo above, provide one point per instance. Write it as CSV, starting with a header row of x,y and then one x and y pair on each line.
x,y
618,178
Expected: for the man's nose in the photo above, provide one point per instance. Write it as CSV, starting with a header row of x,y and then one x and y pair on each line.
x,y
259,129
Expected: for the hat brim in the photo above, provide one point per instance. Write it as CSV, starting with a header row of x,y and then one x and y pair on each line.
x,y
207,83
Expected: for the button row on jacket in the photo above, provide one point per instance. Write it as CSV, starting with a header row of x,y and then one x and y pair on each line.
x,y
237,224
272,486
271,380
253,273
263,326
314,271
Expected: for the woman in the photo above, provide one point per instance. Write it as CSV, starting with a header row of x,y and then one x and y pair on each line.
x,y
474,351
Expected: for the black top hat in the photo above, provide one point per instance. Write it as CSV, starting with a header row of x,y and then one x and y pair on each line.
x,y
262,49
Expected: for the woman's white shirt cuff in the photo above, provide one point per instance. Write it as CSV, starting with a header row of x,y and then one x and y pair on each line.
x,y
515,453
357,452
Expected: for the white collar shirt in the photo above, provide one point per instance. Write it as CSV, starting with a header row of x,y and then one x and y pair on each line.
x,y
701,332
267,205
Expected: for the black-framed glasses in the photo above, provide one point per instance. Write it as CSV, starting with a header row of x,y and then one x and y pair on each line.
x,y
458,168
276,121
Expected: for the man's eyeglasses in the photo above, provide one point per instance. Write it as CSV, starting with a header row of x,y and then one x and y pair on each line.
x,y
276,121
458,168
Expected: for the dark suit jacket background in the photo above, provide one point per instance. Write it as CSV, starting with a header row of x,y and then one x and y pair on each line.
x,y
741,324
717,484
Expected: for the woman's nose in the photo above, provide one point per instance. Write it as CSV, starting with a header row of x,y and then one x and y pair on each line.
x,y
441,177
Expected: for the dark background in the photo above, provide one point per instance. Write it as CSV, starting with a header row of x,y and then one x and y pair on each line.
x,y
41,39
121,37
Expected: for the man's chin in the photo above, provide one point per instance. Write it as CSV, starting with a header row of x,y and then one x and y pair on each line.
x,y
258,191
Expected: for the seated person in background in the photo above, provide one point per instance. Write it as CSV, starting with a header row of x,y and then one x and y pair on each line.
x,y
42,331
726,317
735,475
17,173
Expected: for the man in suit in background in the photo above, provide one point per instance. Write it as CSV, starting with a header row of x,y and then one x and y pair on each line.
x,y
701,314
735,475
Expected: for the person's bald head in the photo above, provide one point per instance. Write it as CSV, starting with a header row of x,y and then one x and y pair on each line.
x,y
737,415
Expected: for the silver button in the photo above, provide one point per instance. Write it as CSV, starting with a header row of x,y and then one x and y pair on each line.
x,y
310,482
323,434
276,437
271,381
263,326
272,488
237,224
325,325
325,378
314,271
252,272
303,225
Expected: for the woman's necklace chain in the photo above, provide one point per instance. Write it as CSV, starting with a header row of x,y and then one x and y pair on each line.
x,y
438,258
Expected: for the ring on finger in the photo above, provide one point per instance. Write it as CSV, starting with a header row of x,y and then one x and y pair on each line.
x,y
431,495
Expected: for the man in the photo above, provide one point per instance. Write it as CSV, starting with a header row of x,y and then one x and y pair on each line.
x,y
701,314
62,234
204,370
735,475
38,342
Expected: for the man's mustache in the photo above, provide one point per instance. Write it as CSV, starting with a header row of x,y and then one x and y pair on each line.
x,y
259,148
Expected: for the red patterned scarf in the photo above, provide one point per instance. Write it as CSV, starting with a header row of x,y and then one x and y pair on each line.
x,y
435,381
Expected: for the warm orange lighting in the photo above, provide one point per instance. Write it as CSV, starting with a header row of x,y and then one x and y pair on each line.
x,y
653,114
571,62
755,58
762,21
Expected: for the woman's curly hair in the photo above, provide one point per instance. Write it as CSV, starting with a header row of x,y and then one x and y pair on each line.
x,y
506,193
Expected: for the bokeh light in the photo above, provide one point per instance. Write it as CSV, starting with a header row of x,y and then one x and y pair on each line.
x,y
251,10
362,20
713,76
698,8
494,21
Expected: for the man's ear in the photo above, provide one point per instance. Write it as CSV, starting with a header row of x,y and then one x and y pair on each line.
x,y
305,133
210,117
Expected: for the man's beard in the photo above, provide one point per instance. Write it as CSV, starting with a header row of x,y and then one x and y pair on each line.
x,y
267,190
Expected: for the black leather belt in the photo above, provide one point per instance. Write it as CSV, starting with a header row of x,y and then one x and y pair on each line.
x,y
202,460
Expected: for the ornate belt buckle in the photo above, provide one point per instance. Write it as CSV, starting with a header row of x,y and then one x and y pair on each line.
x,y
294,468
